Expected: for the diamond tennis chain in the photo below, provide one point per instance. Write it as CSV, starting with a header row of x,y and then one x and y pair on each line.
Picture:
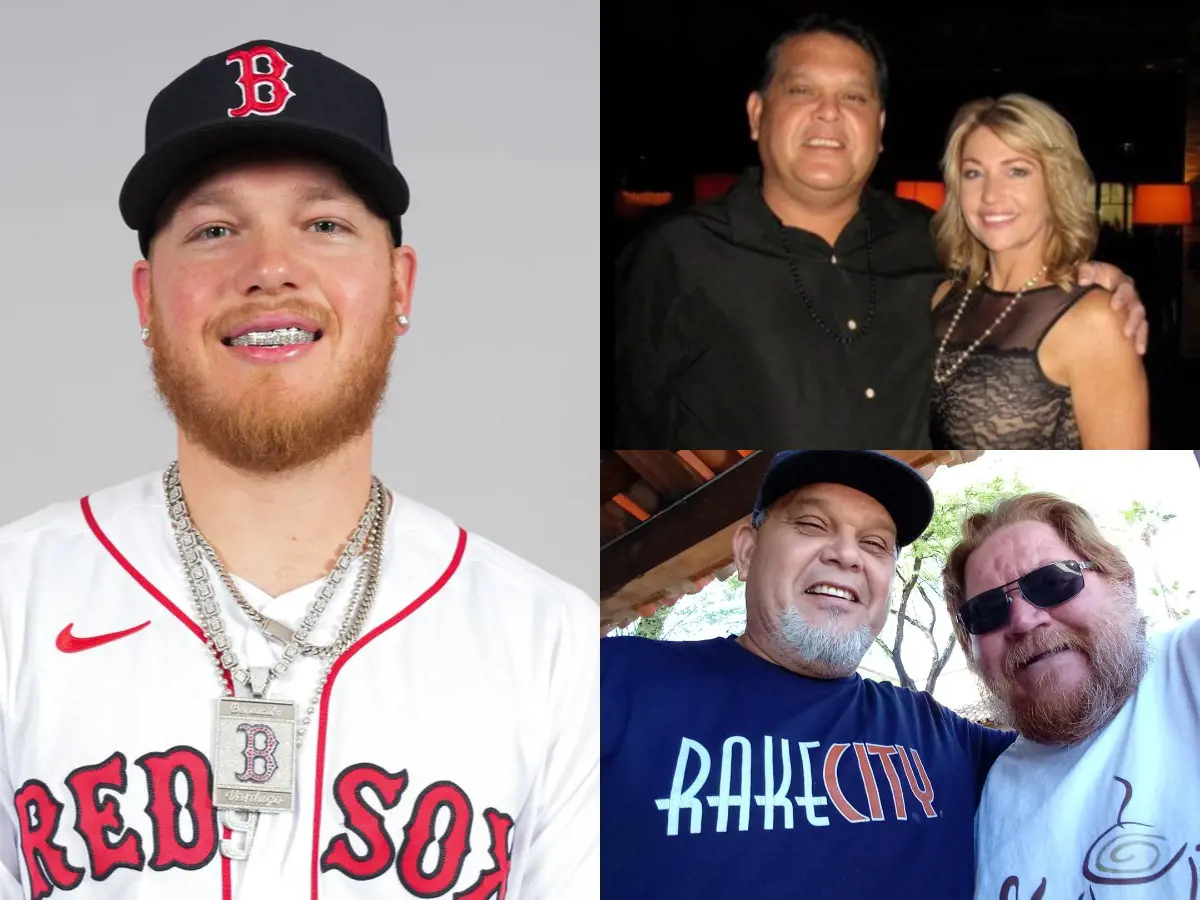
x,y
193,547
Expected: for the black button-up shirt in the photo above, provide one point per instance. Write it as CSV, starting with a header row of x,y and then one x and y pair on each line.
x,y
715,346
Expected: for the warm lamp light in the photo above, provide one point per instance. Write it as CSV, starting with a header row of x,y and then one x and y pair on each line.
x,y
930,193
1162,204
712,185
646,198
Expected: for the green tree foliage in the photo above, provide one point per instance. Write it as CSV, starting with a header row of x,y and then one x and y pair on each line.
x,y
1146,523
652,626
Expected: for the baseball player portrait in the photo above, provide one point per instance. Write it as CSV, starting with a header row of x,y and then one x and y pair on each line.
x,y
259,670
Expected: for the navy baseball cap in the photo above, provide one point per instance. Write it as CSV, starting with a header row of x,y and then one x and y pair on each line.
x,y
899,488
264,93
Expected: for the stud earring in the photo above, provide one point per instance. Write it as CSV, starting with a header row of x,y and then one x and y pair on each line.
x,y
145,335
402,320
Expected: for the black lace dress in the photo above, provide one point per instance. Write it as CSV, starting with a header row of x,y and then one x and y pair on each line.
x,y
1000,399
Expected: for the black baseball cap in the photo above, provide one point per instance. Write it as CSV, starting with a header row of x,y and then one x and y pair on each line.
x,y
264,93
898,487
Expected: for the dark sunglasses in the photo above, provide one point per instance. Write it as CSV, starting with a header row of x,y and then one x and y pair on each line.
x,y
1045,587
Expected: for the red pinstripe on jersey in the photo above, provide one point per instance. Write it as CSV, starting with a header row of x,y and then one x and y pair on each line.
x,y
226,884
337,667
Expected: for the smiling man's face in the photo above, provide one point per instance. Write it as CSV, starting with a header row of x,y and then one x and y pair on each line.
x,y
278,251
819,124
1061,673
818,576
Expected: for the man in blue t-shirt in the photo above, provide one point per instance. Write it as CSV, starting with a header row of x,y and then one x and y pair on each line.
x,y
763,765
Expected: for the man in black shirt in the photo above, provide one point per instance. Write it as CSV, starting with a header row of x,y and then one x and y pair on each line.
x,y
795,310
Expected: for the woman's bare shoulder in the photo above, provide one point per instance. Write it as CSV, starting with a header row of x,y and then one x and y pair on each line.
x,y
1089,333
1093,311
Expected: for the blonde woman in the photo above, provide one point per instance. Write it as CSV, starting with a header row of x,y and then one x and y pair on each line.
x,y
1026,357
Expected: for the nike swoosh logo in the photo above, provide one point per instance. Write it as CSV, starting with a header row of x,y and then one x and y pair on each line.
x,y
68,643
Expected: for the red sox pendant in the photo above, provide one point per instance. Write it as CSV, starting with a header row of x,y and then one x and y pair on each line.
x,y
255,768
256,755
255,761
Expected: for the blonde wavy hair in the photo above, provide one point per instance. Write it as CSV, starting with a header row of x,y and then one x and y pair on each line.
x,y
1035,129
1073,524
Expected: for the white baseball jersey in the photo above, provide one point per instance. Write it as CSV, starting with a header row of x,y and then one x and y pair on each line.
x,y
453,753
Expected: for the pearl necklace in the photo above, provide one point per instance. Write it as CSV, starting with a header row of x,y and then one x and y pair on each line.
x,y
940,375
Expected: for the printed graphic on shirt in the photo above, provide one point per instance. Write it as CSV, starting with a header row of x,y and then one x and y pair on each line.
x,y
426,856
1128,853
801,774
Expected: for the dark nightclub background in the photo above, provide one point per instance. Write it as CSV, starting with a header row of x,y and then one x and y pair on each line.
x,y
676,76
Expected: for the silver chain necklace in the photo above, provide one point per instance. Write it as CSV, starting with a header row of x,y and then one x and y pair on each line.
x,y
281,633
940,375
258,740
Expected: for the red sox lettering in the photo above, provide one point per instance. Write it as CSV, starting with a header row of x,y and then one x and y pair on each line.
x,y
433,846
368,826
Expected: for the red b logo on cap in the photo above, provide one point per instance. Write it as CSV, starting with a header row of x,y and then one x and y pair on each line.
x,y
251,80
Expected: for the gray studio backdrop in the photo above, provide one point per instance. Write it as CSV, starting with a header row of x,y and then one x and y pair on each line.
x,y
493,411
